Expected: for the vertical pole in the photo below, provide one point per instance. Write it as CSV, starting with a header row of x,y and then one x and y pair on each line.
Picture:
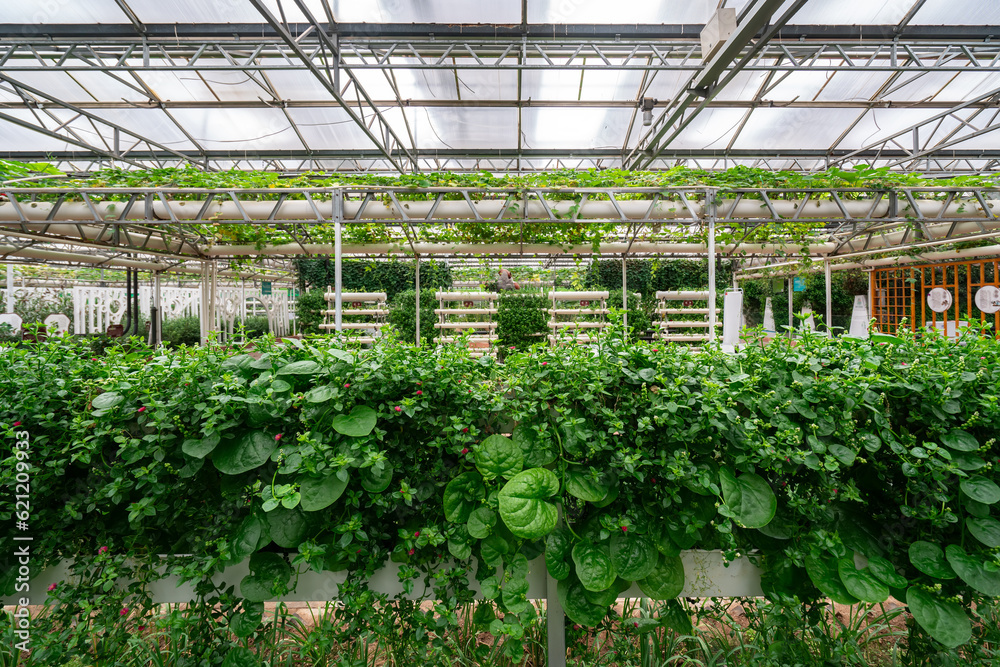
x,y
203,311
555,624
417,283
10,288
156,318
871,300
624,292
711,264
829,297
791,297
338,250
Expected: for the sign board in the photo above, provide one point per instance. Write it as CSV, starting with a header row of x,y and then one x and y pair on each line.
x,y
988,299
799,284
265,287
939,299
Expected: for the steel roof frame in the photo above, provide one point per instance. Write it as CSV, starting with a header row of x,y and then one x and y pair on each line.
x,y
332,51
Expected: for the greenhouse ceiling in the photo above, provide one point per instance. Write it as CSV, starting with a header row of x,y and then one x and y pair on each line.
x,y
511,85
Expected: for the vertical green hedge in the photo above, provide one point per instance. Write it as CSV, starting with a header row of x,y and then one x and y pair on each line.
x,y
363,275
520,318
647,276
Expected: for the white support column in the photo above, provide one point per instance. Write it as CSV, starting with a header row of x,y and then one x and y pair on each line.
x,y
624,292
417,282
711,274
203,315
555,619
338,251
791,297
829,297
10,288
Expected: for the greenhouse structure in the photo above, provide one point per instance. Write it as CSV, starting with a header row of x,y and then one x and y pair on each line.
x,y
532,332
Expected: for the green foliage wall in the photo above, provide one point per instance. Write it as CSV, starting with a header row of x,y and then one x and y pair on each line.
x,y
361,275
402,314
309,310
647,276
521,318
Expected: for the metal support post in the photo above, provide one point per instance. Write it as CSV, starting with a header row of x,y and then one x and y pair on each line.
x,y
555,619
710,198
624,293
10,288
791,297
829,297
155,315
417,282
338,251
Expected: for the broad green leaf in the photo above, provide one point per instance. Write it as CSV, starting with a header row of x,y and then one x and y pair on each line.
x,y
359,423
288,527
481,522
634,556
498,456
460,550
674,616
280,386
536,454
246,539
320,394
665,582
748,497
241,657
960,440
268,578
321,492
604,598
971,570
108,399
341,355
461,496
593,566
825,576
493,549
558,553
242,454
981,489
573,598
843,454
885,572
875,339
929,558
861,583
376,480
244,624
490,586
514,595
943,620
305,367
966,461
523,504
584,487
201,448
986,530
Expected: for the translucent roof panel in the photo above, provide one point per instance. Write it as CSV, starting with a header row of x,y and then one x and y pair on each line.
x,y
85,86
572,128
598,11
38,12
958,12
331,129
878,124
344,11
850,12
794,128
445,127
16,138
566,85
711,129
233,129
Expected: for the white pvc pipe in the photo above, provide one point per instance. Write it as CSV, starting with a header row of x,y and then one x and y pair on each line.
x,y
986,251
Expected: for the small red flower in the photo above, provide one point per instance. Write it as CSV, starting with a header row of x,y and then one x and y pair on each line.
x,y
836,490
635,623
465,450
142,628
398,408
52,587
17,423
358,551
655,350
624,529
465,430
410,552
102,550
416,534
419,393
347,386
784,484
123,612
93,358
142,409
545,363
